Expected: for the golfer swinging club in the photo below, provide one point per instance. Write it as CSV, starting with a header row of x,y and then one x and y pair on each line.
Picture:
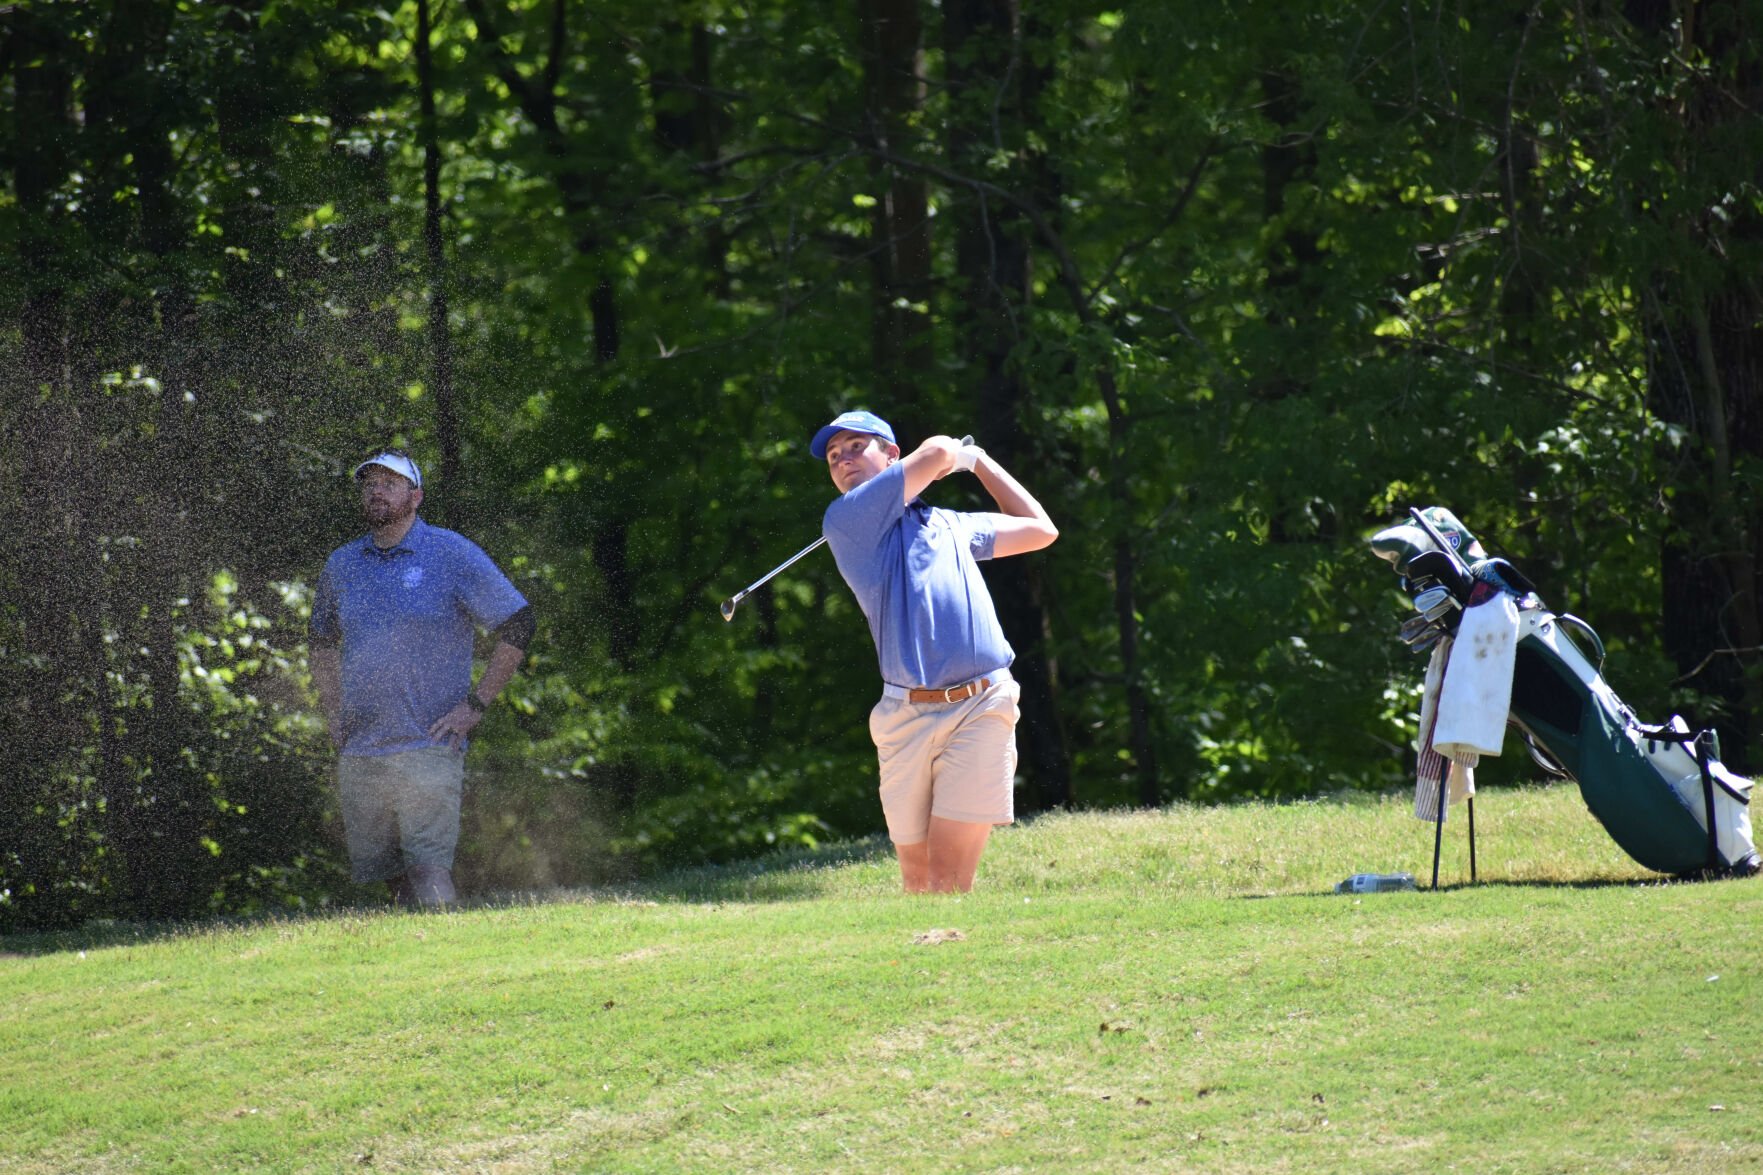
x,y
945,728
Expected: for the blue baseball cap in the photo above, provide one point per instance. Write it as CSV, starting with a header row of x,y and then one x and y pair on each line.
x,y
858,421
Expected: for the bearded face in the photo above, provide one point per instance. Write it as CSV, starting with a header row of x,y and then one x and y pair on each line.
x,y
387,499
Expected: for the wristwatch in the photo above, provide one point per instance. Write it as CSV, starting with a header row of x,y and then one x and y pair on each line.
x,y
475,702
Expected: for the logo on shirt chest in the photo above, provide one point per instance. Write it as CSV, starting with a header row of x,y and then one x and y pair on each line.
x,y
931,531
412,577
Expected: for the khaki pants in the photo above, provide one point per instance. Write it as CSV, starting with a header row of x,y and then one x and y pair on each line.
x,y
400,810
954,760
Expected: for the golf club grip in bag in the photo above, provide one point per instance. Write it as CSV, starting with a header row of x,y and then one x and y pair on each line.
x,y
1651,787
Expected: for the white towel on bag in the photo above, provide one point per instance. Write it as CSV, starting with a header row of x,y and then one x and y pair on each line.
x,y
1476,695
1433,766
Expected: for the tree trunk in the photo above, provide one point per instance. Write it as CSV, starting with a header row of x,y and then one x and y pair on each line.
x,y
246,124
42,544
73,728
688,120
1707,377
991,291
440,337
891,48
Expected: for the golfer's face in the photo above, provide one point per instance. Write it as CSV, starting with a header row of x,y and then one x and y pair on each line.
x,y
387,497
854,457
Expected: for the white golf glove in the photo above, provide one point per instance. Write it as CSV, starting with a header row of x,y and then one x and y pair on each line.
x,y
968,455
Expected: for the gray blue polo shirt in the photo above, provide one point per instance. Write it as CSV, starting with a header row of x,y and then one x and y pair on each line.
x,y
913,570
407,618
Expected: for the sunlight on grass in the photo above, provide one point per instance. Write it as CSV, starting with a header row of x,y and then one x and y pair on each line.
x,y
1527,834
1168,989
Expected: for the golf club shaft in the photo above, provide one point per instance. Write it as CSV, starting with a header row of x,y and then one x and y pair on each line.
x,y
1458,558
763,579
729,605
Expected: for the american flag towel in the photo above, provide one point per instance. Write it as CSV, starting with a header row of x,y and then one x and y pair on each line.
x,y
1434,767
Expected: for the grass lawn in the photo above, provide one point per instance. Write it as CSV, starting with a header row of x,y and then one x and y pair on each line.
x,y
1173,990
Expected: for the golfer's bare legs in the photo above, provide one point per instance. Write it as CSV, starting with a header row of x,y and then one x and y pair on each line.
x,y
946,860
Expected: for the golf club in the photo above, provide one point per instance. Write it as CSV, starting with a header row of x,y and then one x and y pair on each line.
x,y
729,605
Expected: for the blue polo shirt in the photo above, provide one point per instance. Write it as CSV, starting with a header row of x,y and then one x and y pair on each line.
x,y
913,569
407,618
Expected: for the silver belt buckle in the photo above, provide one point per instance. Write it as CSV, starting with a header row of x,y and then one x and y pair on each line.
x,y
969,688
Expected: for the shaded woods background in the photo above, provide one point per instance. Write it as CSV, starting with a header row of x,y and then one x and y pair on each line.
x,y
1228,285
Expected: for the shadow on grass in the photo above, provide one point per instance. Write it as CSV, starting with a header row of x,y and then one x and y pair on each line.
x,y
789,875
108,934
1590,883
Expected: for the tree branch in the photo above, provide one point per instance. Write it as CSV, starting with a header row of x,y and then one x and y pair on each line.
x,y
1182,200
539,107
559,39
1703,664
6,14
1069,275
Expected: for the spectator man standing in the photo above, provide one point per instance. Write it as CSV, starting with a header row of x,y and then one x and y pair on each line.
x,y
945,728
393,626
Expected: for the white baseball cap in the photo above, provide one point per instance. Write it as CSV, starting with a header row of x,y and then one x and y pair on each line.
x,y
398,463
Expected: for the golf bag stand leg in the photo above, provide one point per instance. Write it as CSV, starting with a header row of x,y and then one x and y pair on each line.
x,y
1438,834
1704,752
1438,828
1472,877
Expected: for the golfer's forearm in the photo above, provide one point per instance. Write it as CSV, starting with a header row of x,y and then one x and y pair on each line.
x,y
1007,492
1022,524
327,679
932,460
504,661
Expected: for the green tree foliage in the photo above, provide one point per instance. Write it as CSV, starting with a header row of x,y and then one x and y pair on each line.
x,y
204,285
1229,287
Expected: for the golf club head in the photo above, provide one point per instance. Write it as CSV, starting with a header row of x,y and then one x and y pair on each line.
x,y
728,607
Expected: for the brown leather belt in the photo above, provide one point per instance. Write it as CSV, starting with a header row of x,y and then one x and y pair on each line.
x,y
955,693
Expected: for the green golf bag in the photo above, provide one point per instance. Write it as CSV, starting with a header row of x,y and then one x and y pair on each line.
x,y
1661,792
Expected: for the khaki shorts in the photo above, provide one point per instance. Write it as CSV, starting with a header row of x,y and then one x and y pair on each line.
x,y
953,760
400,810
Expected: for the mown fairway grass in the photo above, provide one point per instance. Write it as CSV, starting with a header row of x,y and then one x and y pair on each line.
x,y
1176,990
